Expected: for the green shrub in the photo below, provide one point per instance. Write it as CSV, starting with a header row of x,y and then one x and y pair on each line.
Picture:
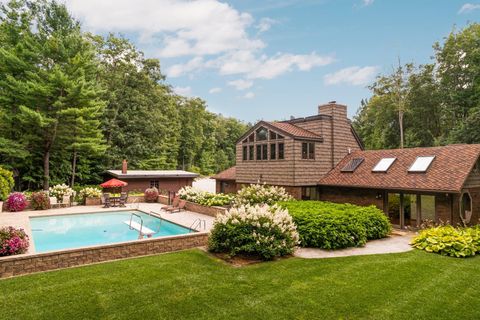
x,y
6,183
449,241
265,231
330,225
261,194
204,198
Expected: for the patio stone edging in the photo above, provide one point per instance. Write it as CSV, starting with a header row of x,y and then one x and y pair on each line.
x,y
37,262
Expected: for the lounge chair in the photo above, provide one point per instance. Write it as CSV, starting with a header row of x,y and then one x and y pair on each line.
x,y
106,200
66,201
54,203
180,207
123,199
175,202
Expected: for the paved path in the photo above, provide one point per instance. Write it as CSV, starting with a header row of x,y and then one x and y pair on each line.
x,y
391,244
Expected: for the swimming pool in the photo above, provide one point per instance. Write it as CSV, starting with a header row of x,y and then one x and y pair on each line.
x,y
89,229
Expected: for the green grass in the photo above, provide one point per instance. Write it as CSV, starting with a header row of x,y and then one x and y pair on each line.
x,y
192,285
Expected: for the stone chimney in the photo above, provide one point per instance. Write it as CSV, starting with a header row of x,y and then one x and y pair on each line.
x,y
124,166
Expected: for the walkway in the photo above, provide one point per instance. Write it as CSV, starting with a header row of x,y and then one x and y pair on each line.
x,y
392,244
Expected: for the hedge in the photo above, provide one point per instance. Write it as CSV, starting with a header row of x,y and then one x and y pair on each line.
x,y
330,225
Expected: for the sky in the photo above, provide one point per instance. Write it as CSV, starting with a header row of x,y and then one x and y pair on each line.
x,y
254,59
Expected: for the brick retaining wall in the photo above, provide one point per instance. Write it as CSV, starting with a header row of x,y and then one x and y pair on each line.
x,y
29,263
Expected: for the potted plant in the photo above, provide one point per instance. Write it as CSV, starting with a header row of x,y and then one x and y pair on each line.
x,y
91,196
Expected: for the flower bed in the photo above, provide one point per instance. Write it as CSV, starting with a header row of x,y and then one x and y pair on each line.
x,y
261,194
13,241
204,198
449,241
333,226
265,231
61,190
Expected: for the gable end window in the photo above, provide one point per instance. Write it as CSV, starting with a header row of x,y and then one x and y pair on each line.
x,y
308,150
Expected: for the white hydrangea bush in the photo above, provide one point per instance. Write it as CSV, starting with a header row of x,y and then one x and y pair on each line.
x,y
262,230
204,198
90,192
61,190
261,194
190,193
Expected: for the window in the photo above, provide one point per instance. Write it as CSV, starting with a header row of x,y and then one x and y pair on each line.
x,y
262,134
251,138
308,150
154,183
244,155
281,147
245,141
384,164
273,135
279,136
264,151
352,165
250,153
273,151
421,164
259,152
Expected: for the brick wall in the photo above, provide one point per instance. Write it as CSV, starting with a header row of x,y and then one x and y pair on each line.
x,y
361,197
30,263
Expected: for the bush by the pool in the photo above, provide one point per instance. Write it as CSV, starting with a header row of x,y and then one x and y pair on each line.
x,y
13,241
330,225
263,231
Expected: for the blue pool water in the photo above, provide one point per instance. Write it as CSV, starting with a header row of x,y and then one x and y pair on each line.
x,y
81,230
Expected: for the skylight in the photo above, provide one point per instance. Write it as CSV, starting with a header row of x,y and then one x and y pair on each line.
x,y
384,164
421,164
352,165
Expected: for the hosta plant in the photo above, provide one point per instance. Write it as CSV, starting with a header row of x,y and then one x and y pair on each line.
x,y
16,202
61,190
263,231
13,241
40,200
261,194
151,194
449,241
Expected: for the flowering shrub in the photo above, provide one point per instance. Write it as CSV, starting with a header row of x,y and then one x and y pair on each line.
x,y
13,241
204,198
6,183
40,200
449,241
16,202
261,194
61,190
90,192
151,194
265,231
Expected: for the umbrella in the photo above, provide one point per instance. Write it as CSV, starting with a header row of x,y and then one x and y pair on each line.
x,y
113,183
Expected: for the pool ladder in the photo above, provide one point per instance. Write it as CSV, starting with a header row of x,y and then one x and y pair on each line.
x,y
197,225
140,227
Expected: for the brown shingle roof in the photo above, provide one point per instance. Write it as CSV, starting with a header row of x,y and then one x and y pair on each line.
x,y
447,173
228,174
294,130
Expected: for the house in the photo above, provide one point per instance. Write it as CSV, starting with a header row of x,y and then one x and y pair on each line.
x,y
294,154
139,180
410,185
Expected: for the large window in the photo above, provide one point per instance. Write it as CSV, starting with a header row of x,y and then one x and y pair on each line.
x,y
264,151
262,134
281,148
273,151
251,155
244,155
308,150
259,152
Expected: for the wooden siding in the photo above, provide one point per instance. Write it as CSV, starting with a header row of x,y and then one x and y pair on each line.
x,y
473,179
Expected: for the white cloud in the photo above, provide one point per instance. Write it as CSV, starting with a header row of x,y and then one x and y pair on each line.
x,y
215,90
183,91
240,84
178,70
468,7
249,95
367,2
265,24
356,76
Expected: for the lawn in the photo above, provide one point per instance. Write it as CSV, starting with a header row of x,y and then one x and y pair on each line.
x,y
193,285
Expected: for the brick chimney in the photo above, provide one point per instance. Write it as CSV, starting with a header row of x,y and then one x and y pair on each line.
x,y
124,166
332,108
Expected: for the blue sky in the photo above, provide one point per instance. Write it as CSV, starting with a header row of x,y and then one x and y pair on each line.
x,y
272,59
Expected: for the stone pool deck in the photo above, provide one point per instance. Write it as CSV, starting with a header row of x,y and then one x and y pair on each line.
x,y
396,242
22,219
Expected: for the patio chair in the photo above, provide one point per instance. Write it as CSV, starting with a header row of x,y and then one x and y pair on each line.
x,y
180,207
175,202
106,200
54,203
123,199
66,201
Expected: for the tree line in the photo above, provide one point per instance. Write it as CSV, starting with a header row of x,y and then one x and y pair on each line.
x,y
73,104
427,105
